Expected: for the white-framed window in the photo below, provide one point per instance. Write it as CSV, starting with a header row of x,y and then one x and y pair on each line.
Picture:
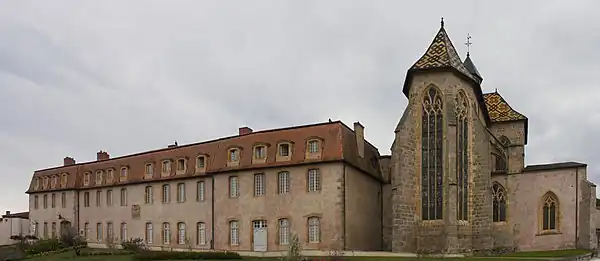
x,y
181,192
109,230
284,231
200,191
234,155
234,187
283,182
260,152
284,149
259,184
166,166
200,162
86,230
234,233
166,193
181,165
313,146
181,233
149,234
166,235
124,231
149,197
314,230
99,236
124,197
109,197
149,170
201,233
314,180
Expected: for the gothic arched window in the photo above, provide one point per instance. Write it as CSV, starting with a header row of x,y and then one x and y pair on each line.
x,y
549,212
462,156
499,199
500,163
431,156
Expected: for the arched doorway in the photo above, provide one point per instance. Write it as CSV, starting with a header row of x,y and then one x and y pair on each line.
x,y
65,227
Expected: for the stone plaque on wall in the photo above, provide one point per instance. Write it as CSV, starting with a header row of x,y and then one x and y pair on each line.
x,y
135,211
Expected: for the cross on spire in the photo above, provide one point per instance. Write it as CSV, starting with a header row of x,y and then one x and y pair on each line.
x,y
468,43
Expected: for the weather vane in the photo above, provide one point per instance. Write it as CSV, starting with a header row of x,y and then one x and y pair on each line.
x,y
468,43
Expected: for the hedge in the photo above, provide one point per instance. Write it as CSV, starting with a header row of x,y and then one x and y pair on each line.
x,y
174,255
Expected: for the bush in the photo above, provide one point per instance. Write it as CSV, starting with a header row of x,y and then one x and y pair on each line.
x,y
134,245
106,253
45,245
174,255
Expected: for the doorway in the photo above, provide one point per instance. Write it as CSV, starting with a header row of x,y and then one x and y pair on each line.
x,y
259,236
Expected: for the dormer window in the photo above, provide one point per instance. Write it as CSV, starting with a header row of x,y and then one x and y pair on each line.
x,y
123,174
36,183
260,152
284,150
166,168
54,181
149,170
233,157
99,176
313,146
63,180
200,162
87,177
181,166
110,175
45,185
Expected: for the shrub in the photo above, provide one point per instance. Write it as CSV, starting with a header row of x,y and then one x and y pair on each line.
x,y
294,251
69,237
45,245
174,255
134,245
106,253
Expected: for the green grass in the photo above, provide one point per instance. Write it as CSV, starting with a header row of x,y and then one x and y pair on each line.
x,y
555,253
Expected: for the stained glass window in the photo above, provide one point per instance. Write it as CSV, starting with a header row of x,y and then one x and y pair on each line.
x,y
431,149
550,212
499,199
462,156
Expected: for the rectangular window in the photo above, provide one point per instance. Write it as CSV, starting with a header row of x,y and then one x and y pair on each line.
x,y
63,200
98,198
86,230
200,191
123,197
148,197
36,202
200,162
259,184
181,192
233,233
260,152
233,155
123,174
86,199
109,230
36,227
234,187
181,164
149,169
149,234
283,182
166,235
313,146
314,230
284,231
53,229
53,200
109,197
181,233
166,166
124,231
284,150
45,201
166,193
201,234
99,236
46,230
314,180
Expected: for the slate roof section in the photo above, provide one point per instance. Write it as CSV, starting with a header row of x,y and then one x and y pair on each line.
x,y
472,69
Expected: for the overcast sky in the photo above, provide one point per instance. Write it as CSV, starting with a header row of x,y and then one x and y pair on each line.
x,y
127,76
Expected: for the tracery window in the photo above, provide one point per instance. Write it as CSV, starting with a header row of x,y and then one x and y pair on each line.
x,y
499,202
431,149
550,212
462,156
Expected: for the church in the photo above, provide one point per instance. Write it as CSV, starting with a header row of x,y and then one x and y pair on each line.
x,y
458,178
455,181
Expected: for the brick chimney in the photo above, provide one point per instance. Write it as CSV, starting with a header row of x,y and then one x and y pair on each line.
x,y
68,161
102,155
245,130
359,130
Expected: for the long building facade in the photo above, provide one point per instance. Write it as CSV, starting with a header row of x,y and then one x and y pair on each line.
x,y
455,181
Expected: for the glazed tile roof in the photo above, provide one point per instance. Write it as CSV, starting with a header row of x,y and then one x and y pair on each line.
x,y
441,54
499,110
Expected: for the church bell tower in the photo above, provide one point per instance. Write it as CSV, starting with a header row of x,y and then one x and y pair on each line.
x,y
439,157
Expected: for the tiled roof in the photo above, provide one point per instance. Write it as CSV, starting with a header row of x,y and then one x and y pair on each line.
x,y
499,110
339,144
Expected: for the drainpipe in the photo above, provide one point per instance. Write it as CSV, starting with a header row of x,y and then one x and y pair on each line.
x,y
212,222
344,207
576,207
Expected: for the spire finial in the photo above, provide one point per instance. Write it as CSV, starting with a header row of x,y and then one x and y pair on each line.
x,y
468,43
442,22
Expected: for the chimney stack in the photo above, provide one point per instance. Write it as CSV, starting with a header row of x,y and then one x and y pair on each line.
x,y
359,131
7,212
102,155
245,130
68,161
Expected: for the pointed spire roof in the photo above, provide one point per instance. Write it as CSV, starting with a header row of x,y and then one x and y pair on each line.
x,y
472,69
